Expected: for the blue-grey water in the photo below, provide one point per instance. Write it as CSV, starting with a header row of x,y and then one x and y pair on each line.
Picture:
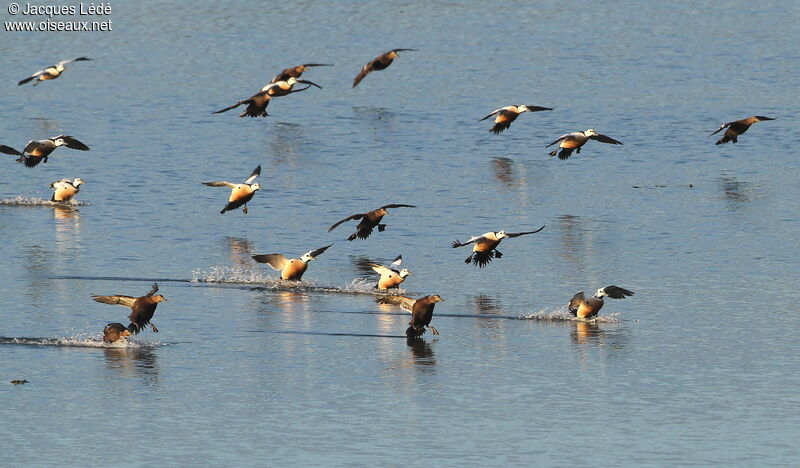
x,y
699,368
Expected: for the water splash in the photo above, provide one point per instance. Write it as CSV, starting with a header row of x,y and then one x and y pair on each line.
x,y
561,314
19,200
94,341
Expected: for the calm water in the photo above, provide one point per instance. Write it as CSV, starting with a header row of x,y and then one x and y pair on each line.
x,y
699,368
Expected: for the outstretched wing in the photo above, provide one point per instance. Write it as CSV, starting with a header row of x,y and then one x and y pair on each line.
x,y
576,302
404,50
22,82
319,251
71,142
243,101
219,183
457,243
60,184
405,303
309,83
366,70
605,139
79,59
494,112
256,172
153,290
538,108
396,262
561,138
355,216
126,301
615,292
379,269
276,261
723,126
397,205
517,234
9,150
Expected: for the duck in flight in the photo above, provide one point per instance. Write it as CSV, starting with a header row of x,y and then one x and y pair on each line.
x,y
257,103
296,72
392,275
380,62
369,221
508,114
485,247
114,332
142,308
65,189
37,151
570,142
290,269
734,129
240,193
50,73
584,308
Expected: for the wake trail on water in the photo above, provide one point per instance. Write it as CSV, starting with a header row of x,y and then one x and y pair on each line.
x,y
19,200
262,279
79,342
562,314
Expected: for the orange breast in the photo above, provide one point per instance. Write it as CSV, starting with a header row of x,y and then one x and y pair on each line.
x,y
484,245
390,281
585,310
569,144
294,270
64,194
239,192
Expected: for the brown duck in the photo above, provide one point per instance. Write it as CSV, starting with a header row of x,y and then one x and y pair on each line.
x,y
240,193
485,247
734,129
380,62
296,72
369,220
142,308
584,308
421,312
114,332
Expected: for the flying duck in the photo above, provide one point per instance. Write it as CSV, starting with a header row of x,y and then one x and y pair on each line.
x,y
240,193
142,308
734,129
114,332
485,247
295,72
65,189
581,307
506,115
573,141
37,151
391,276
50,73
378,63
284,87
369,220
257,103
290,269
421,312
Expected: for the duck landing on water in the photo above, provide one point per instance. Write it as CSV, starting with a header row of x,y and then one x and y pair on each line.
x,y
421,312
290,269
734,129
240,193
584,308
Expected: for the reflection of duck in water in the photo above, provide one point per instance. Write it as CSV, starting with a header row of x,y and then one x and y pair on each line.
x,y
114,332
421,351
391,276
581,307
586,332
